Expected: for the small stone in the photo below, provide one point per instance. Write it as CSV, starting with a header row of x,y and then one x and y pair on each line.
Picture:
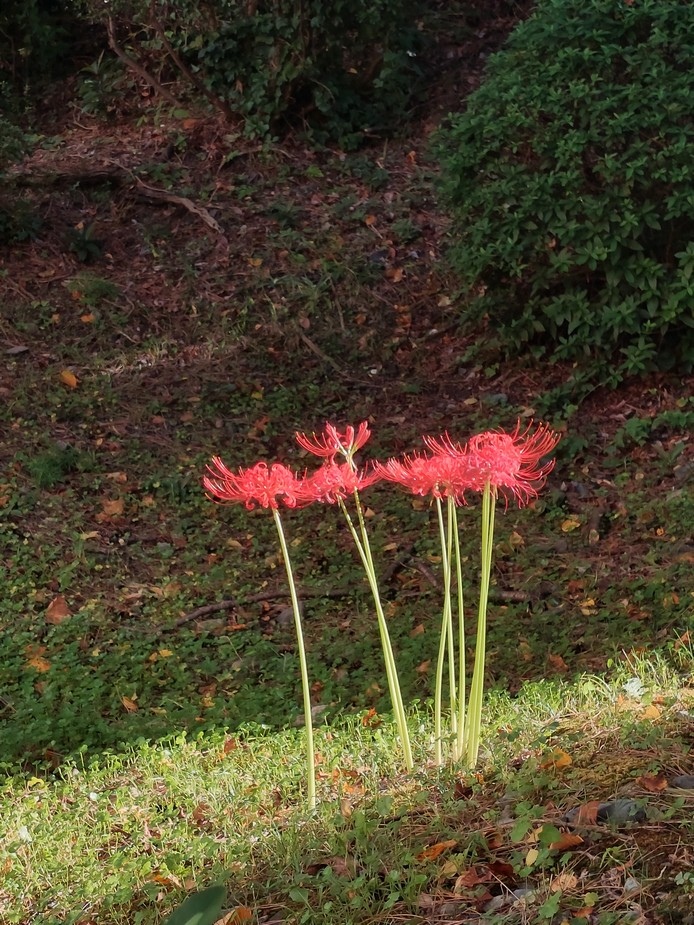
x,y
496,398
621,811
683,781
616,811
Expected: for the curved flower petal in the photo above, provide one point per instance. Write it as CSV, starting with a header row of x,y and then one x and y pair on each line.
x,y
333,442
441,475
508,462
257,485
334,482
512,461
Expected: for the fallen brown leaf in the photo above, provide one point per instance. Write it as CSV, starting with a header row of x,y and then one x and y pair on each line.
x,y
340,866
435,851
558,760
557,662
563,882
111,507
471,878
166,880
588,813
653,782
371,719
501,870
36,660
237,916
567,840
57,611
68,378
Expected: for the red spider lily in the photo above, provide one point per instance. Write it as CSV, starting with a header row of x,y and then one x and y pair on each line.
x,y
334,482
441,475
331,441
258,485
510,462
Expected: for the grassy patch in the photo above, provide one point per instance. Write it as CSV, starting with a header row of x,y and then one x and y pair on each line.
x,y
123,837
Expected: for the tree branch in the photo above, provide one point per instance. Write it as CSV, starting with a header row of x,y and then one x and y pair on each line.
x,y
183,67
136,66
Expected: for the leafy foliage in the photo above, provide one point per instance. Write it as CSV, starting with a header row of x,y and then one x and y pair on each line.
x,y
201,908
34,36
17,222
347,68
570,179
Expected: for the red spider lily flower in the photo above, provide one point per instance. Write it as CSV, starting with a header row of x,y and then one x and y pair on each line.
x,y
513,460
334,482
331,441
510,462
258,485
441,475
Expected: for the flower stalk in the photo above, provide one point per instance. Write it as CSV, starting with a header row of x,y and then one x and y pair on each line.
x,y
303,665
364,549
477,683
269,487
446,640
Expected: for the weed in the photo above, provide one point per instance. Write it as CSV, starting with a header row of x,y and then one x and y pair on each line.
x,y
92,290
83,242
52,466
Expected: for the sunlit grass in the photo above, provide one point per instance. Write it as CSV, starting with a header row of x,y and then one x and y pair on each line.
x,y
122,837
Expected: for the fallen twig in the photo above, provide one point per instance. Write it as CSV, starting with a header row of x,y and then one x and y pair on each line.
x,y
230,603
149,192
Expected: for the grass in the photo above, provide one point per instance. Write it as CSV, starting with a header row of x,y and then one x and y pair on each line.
x,y
175,740
123,837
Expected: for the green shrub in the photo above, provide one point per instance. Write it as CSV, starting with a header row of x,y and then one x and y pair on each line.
x,y
17,221
344,68
571,181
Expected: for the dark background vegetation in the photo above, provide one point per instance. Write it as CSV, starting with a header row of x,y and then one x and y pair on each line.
x,y
223,222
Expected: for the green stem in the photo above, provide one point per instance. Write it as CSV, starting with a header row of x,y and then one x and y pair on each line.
x,y
445,639
461,641
477,683
451,644
308,718
364,550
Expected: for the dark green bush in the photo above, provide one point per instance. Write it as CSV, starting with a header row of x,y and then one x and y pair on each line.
x,y
570,176
35,38
16,220
342,65
345,68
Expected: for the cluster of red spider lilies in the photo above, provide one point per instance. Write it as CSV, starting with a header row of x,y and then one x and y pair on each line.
x,y
509,463
491,464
